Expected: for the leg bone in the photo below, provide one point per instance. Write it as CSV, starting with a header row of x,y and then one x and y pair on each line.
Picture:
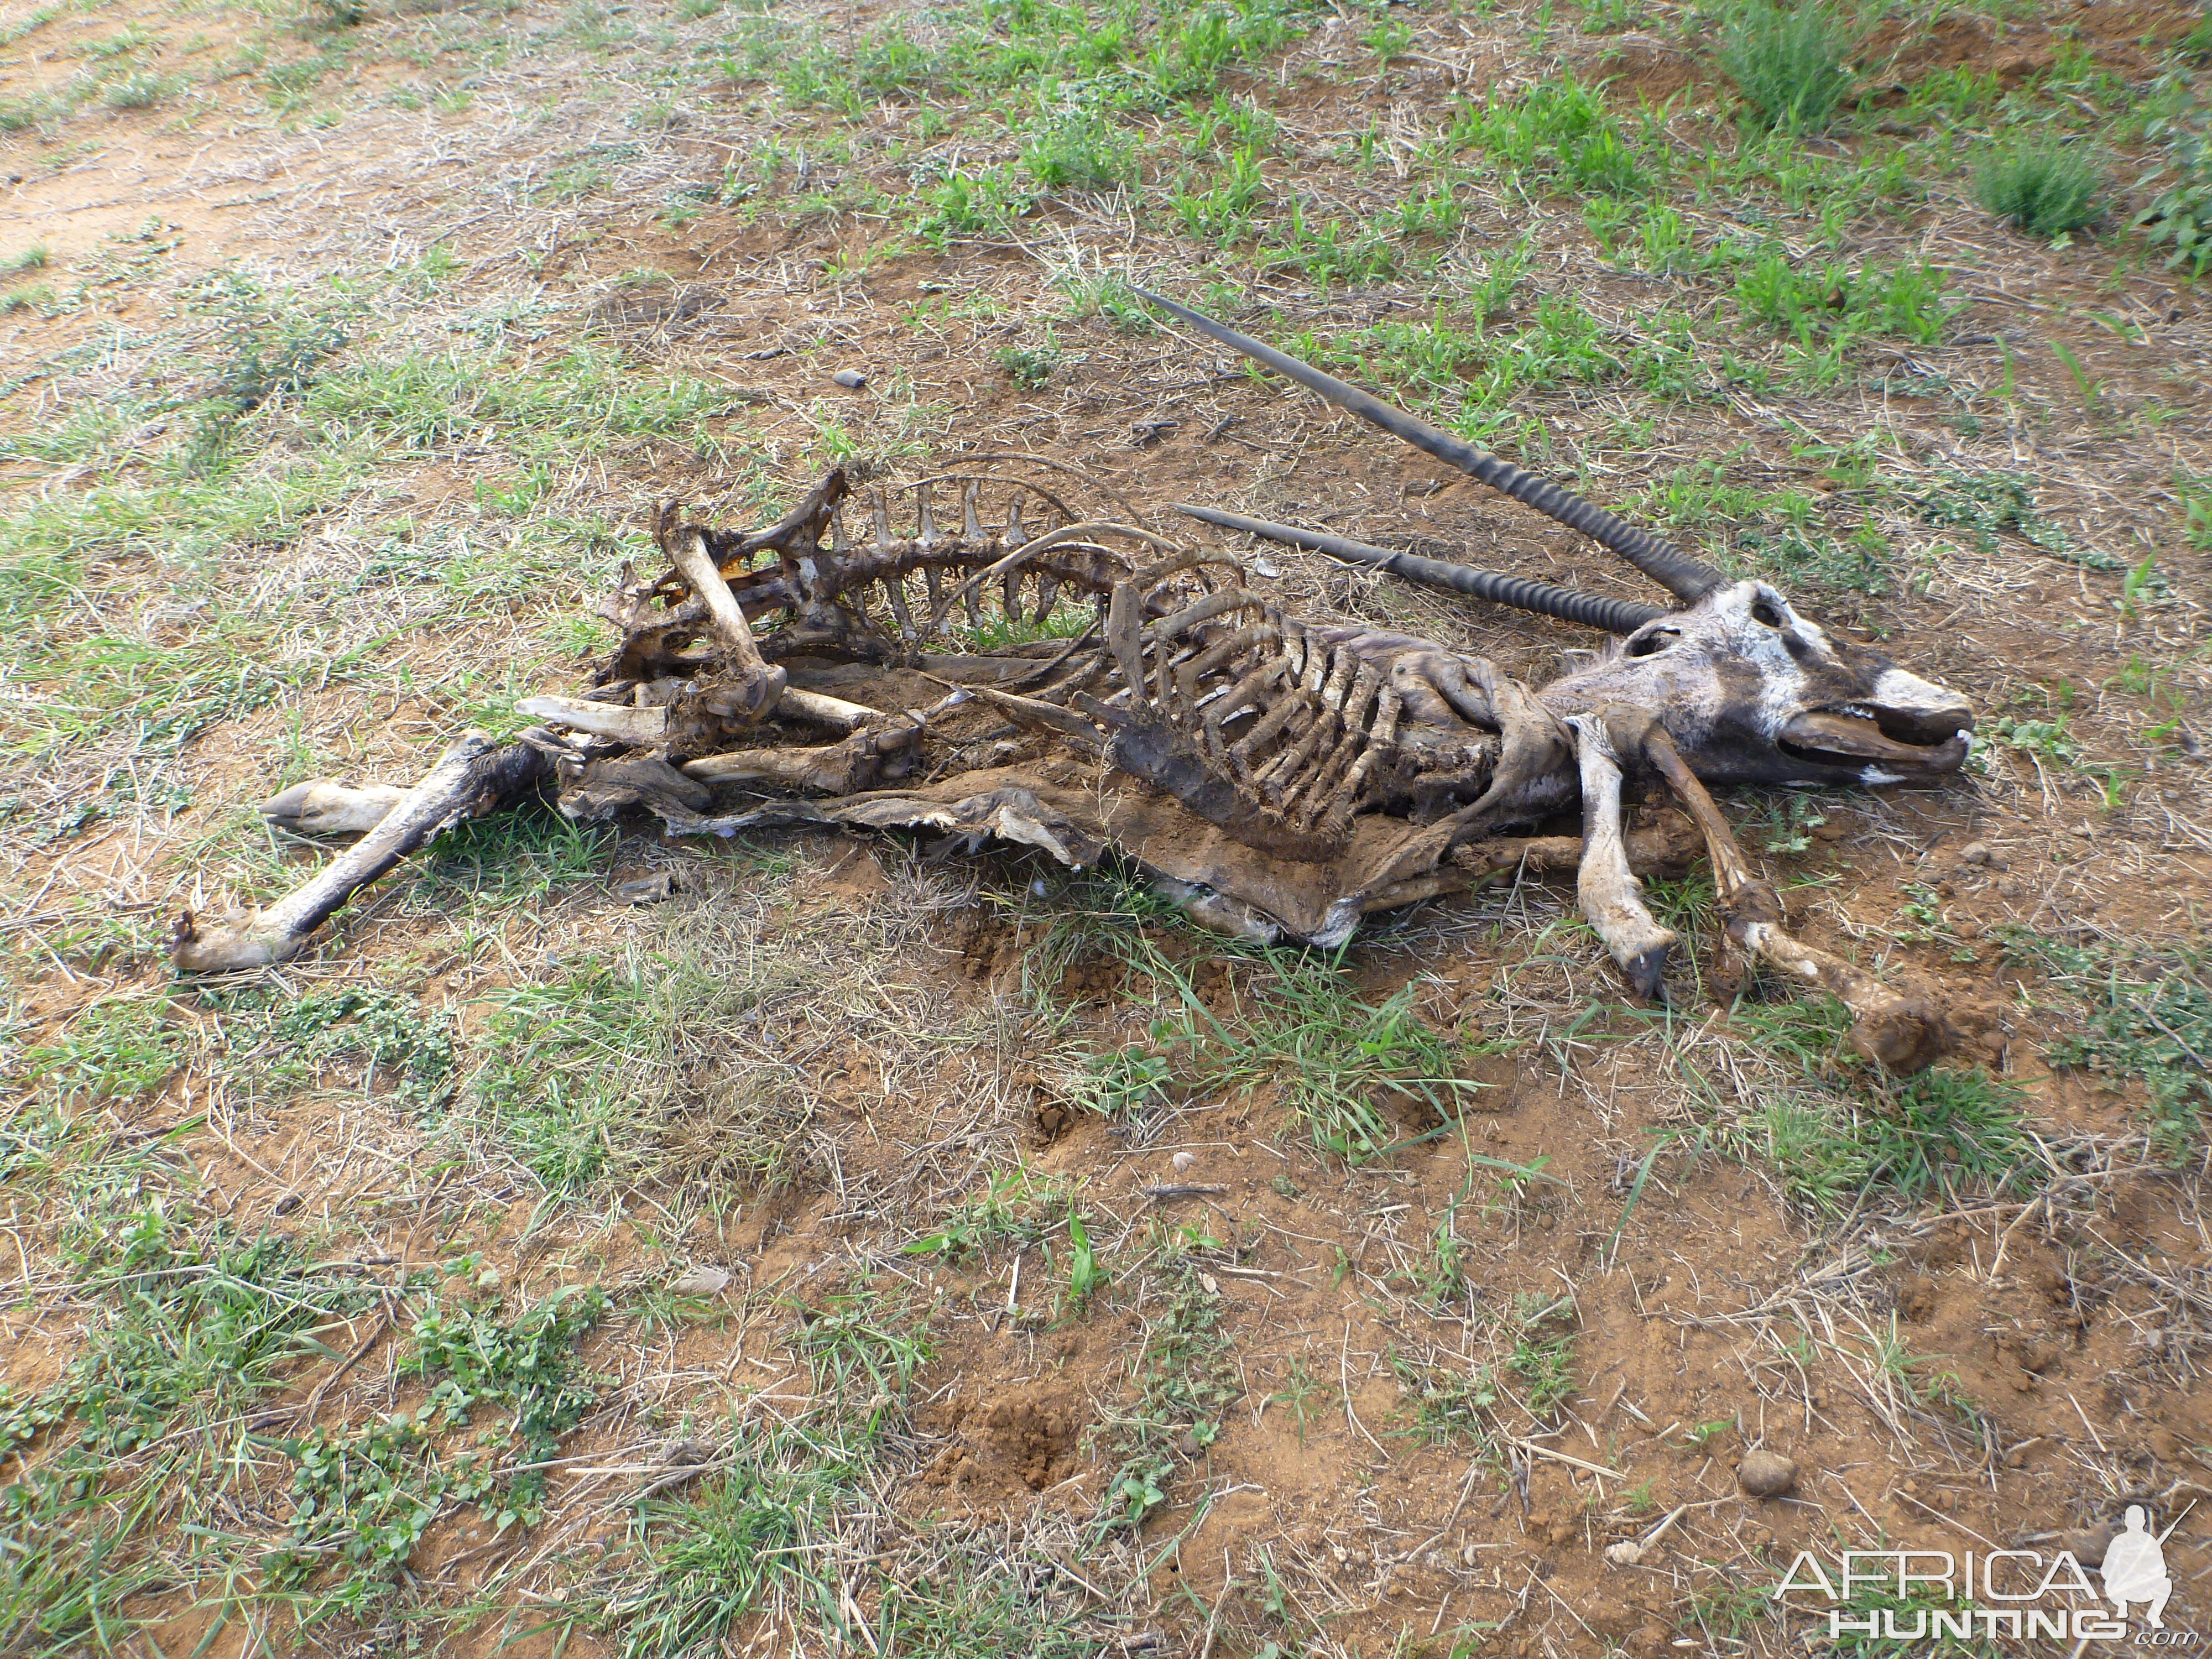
x,y
470,779
1899,1032
326,807
1610,895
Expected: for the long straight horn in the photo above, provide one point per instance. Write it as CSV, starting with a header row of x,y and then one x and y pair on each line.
x,y
1686,578
1615,616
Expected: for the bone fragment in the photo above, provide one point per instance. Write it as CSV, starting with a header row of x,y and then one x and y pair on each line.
x,y
687,549
621,721
1899,1032
1609,893
470,779
836,768
627,724
324,807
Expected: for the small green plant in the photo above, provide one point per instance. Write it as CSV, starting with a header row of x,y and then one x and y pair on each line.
x,y
1080,151
1226,211
1183,1382
2045,189
963,203
2179,216
1387,40
1790,62
1085,1277
1542,1359
1299,1386
1562,129
1989,503
2145,1020
864,1355
1448,1404
757,1534
140,89
115,1050
1014,1207
1031,367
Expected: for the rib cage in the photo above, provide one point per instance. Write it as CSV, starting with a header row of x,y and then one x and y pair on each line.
x,y
834,583
1280,732
1307,725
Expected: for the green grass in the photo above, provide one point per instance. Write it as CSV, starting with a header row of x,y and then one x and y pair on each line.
x,y
1561,131
1989,504
1079,151
1943,1136
1012,1205
1183,1384
756,1538
192,1321
760,1534
2146,1021
1336,1061
586,1076
2044,189
1790,62
115,1050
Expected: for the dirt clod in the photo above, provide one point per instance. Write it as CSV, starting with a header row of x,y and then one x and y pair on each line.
x,y
1764,1473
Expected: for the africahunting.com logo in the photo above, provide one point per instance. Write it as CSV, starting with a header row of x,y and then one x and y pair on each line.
x,y
1934,1597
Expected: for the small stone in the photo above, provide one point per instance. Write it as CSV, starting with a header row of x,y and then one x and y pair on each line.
x,y
1976,852
488,1280
705,1280
2039,1357
1766,1473
646,890
851,379
1184,1162
1188,1444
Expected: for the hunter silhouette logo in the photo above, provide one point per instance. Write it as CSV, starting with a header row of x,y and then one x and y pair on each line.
x,y
2134,1568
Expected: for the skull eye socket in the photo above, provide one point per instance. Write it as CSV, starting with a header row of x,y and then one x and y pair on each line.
x,y
1763,612
1651,644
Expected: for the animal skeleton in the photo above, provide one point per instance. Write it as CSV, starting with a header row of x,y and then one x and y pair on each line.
x,y
1281,777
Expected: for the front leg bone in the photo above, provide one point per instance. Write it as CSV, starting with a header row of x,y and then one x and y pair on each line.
x,y
470,779
1610,895
1899,1032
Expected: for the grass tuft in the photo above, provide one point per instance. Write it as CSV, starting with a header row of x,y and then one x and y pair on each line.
x,y
2045,189
1791,63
